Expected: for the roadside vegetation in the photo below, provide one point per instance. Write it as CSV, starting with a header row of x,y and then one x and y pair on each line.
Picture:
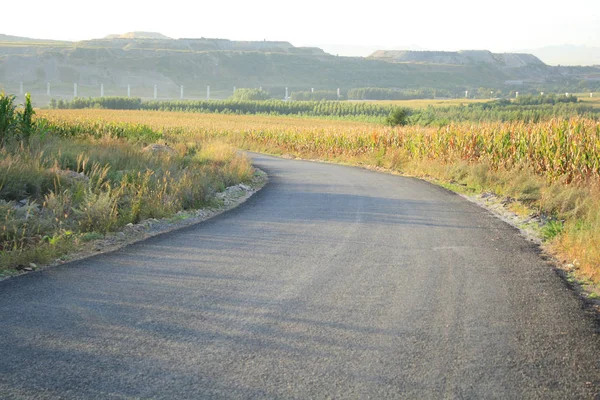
x,y
550,168
65,183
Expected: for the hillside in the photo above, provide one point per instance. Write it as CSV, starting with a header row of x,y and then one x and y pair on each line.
x,y
138,35
126,43
463,57
143,59
18,39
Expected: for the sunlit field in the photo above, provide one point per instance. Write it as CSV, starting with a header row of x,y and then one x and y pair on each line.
x,y
552,168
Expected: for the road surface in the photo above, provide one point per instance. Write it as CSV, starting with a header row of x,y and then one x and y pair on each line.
x,y
332,282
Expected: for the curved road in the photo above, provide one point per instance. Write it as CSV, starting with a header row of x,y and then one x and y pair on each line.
x,y
332,282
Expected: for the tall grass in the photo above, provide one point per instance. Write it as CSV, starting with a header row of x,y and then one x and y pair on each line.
x,y
73,179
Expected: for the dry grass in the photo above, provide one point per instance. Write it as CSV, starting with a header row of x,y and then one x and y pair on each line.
x,y
56,191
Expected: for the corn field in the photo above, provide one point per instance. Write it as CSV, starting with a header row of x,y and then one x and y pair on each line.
x,y
556,149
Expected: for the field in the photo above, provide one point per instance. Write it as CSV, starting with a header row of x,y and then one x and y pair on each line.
x,y
526,109
500,144
550,168
424,103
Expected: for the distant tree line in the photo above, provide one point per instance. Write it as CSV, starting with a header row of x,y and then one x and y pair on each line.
x,y
545,99
317,95
371,93
274,107
112,103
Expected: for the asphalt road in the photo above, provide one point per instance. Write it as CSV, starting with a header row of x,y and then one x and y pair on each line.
x,y
332,282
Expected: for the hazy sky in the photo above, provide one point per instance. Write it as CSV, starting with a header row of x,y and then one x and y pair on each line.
x,y
431,24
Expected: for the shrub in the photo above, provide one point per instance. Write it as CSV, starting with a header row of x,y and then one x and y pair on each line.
x,y
398,116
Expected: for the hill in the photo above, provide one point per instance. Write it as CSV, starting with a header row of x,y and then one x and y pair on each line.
x,y
463,57
138,35
18,39
145,59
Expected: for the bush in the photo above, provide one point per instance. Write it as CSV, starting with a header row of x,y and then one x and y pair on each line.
x,y
398,116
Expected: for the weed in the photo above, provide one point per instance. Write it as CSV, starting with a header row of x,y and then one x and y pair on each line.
x,y
552,229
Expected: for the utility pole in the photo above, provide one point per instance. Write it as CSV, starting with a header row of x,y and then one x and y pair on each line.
x,y
181,94
128,90
102,90
75,90
208,93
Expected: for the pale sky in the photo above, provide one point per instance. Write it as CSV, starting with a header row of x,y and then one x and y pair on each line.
x,y
431,24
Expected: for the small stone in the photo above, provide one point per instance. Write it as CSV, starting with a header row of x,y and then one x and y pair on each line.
x,y
129,225
28,269
33,265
